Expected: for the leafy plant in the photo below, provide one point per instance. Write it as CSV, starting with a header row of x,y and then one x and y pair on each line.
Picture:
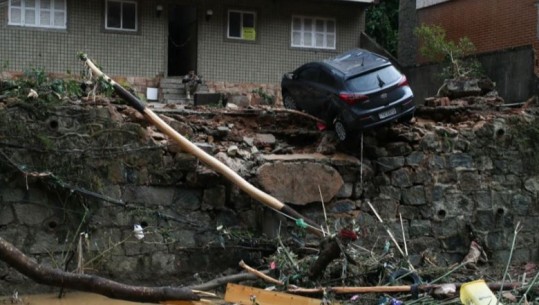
x,y
266,97
382,24
105,86
435,47
35,77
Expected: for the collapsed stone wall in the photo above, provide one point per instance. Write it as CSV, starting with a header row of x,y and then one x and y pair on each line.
x,y
80,178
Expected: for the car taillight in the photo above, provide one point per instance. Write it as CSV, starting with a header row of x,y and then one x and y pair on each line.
x,y
352,98
403,81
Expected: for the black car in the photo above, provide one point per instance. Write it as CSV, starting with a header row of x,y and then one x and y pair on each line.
x,y
351,92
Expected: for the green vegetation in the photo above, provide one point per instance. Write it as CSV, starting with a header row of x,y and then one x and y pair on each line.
x,y
382,24
267,98
435,47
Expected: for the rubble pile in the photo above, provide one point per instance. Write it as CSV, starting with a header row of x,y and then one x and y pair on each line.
x,y
407,205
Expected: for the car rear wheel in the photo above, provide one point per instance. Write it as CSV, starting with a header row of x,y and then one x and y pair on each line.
x,y
289,102
340,130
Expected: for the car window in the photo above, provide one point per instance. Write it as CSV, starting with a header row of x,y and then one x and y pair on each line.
x,y
310,74
375,79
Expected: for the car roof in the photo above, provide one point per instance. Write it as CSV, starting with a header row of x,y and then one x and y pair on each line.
x,y
356,62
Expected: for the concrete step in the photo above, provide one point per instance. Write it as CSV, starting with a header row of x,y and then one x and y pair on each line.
x,y
181,101
173,90
172,96
171,86
171,80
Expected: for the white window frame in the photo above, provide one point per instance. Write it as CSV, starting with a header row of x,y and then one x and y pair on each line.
x,y
300,29
121,28
37,11
426,3
242,12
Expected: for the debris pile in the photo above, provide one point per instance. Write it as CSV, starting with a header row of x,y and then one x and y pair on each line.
x,y
336,267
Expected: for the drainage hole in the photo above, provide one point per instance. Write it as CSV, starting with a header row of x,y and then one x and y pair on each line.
x,y
441,214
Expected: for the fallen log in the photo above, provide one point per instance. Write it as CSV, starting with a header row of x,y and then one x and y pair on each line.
x,y
89,283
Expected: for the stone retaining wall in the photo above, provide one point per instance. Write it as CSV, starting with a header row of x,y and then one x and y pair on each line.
x,y
73,170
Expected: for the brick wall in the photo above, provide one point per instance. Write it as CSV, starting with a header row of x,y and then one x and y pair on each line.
x,y
490,24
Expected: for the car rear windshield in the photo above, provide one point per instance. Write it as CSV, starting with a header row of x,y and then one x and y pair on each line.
x,y
374,80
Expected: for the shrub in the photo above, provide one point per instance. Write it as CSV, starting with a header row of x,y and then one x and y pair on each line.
x,y
435,47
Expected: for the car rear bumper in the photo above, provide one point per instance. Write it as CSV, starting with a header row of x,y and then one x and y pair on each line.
x,y
373,119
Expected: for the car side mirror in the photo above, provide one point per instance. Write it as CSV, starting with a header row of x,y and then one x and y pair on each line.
x,y
290,75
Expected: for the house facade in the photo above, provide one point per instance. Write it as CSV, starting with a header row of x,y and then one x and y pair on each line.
x,y
499,29
228,42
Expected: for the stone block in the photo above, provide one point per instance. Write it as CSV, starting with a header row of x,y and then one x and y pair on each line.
x,y
43,243
387,191
341,206
6,214
401,178
448,227
415,158
419,228
395,149
346,190
187,199
430,142
386,208
214,197
414,195
300,182
521,204
421,176
226,217
32,214
149,195
183,238
163,262
415,212
519,256
387,164
469,180
436,162
201,98
460,160
12,194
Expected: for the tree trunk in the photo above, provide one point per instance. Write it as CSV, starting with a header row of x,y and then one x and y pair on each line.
x,y
89,283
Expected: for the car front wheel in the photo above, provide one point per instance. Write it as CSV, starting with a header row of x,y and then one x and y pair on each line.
x,y
289,102
340,130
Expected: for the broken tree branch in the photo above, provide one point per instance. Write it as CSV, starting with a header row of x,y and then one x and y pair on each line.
x,y
89,283
200,154
390,289
234,278
259,274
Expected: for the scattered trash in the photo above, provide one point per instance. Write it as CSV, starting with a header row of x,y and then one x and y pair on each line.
x,y
138,232
477,293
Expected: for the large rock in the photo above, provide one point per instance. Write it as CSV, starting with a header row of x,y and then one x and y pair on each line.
x,y
298,182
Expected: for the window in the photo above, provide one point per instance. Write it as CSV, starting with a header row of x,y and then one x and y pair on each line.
x,y
121,15
241,25
311,32
38,13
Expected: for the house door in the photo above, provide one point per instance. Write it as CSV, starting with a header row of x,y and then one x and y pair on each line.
x,y
182,40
